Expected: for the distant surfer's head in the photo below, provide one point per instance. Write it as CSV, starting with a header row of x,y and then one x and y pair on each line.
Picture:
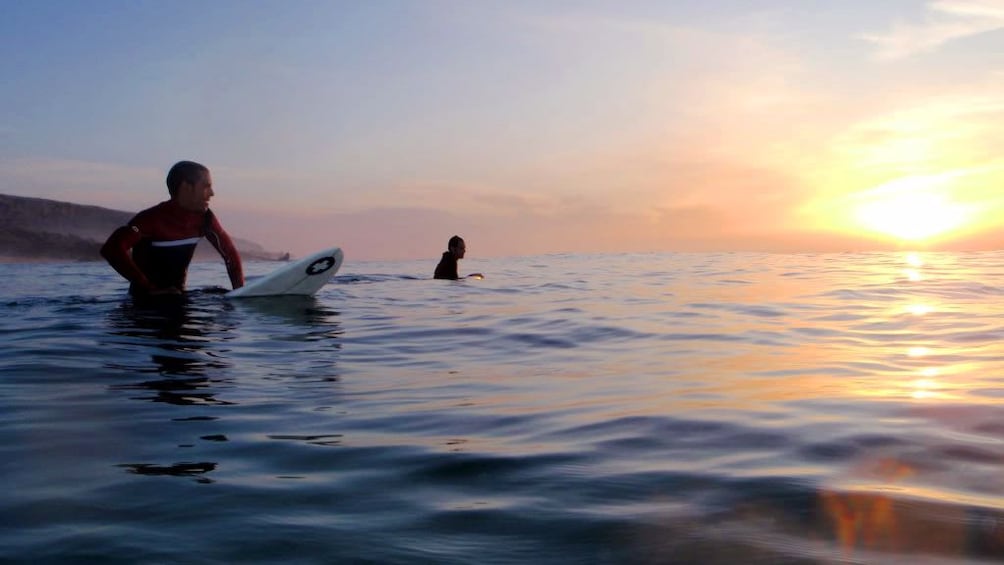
x,y
190,185
457,247
184,171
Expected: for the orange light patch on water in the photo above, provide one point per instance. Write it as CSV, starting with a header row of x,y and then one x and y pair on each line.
x,y
878,516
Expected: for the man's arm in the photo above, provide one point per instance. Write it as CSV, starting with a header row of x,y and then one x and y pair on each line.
x,y
116,252
222,242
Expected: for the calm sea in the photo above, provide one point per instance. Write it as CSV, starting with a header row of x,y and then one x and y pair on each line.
x,y
648,408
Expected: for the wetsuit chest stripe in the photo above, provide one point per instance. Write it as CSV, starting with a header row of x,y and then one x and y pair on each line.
x,y
176,243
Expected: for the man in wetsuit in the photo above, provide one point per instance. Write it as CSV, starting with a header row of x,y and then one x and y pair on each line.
x,y
154,249
447,267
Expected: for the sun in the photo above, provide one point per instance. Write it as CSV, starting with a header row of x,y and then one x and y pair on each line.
x,y
916,208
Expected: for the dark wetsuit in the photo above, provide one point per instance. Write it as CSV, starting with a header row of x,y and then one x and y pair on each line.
x,y
447,267
162,240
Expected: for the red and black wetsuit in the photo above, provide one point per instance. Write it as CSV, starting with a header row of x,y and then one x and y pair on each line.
x,y
162,240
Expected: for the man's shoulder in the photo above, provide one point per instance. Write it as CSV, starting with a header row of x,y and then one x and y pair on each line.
x,y
211,223
156,209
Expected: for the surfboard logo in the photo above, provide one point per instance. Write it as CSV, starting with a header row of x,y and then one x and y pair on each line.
x,y
321,265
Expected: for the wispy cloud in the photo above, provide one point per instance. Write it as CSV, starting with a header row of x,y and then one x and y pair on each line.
x,y
936,134
944,21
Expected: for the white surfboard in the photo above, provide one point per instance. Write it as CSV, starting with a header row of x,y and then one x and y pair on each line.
x,y
303,277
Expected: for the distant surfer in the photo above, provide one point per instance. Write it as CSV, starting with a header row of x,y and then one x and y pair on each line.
x,y
447,267
154,249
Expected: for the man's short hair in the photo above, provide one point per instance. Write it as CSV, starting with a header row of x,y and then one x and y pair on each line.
x,y
184,171
455,241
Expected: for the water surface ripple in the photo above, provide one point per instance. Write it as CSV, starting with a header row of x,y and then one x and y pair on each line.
x,y
646,408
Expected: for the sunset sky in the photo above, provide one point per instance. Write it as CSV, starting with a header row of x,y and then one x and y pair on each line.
x,y
525,126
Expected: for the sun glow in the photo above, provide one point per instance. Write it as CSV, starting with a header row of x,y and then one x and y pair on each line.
x,y
911,208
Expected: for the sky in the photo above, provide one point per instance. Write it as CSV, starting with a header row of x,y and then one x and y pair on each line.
x,y
525,126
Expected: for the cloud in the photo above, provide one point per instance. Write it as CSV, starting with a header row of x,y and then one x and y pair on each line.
x,y
932,135
945,21
581,225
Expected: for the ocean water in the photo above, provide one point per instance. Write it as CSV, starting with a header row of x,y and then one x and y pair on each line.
x,y
645,408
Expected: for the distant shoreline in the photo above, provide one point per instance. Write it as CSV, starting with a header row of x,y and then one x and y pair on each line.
x,y
7,259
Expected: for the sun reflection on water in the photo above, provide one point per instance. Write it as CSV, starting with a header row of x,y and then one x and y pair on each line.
x,y
919,309
924,388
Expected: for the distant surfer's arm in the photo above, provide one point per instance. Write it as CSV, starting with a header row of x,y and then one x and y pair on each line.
x,y
222,242
116,252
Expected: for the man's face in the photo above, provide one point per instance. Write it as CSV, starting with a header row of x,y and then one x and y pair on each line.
x,y
195,196
459,250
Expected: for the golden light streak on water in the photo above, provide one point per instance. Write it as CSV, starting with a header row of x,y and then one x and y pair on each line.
x,y
919,309
914,259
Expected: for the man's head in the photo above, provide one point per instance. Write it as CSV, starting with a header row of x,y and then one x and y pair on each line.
x,y
190,185
457,247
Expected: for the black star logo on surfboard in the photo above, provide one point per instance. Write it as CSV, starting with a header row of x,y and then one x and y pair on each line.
x,y
321,265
